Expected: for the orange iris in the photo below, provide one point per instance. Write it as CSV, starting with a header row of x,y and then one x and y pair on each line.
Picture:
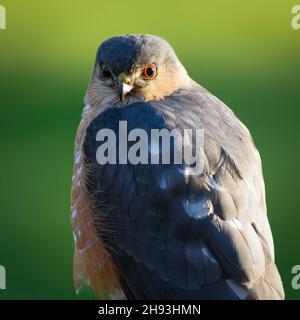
x,y
150,71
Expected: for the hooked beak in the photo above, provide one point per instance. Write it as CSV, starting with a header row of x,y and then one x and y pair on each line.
x,y
124,88
124,85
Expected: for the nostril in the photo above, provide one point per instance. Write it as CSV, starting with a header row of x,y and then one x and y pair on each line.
x,y
127,80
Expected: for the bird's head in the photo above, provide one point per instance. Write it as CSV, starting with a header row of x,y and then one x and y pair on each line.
x,y
133,68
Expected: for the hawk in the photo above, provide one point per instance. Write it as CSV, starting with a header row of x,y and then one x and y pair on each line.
x,y
156,231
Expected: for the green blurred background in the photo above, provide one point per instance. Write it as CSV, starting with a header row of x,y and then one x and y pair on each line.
x,y
245,52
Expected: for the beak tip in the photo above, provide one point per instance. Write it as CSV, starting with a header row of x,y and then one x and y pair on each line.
x,y
123,90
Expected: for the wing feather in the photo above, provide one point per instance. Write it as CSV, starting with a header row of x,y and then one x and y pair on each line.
x,y
179,236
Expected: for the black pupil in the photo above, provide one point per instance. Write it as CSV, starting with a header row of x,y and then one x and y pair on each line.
x,y
106,73
149,71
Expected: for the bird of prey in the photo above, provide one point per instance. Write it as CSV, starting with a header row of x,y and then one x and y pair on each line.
x,y
156,231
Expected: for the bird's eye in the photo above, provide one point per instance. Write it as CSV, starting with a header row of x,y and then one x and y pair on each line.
x,y
150,71
106,73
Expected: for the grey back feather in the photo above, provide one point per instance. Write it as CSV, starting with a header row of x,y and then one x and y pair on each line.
x,y
172,237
